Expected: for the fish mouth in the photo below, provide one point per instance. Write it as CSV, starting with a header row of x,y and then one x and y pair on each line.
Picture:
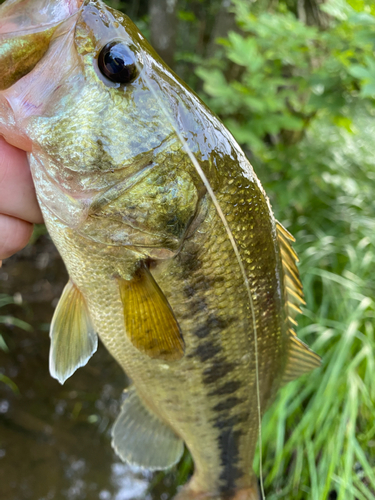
x,y
25,16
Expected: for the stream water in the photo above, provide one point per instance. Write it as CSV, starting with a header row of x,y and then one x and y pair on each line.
x,y
55,439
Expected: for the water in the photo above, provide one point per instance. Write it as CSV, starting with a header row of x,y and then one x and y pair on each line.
x,y
54,439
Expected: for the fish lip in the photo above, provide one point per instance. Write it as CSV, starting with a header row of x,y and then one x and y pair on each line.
x,y
33,29
73,7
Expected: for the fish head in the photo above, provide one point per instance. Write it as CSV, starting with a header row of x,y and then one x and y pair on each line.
x,y
106,124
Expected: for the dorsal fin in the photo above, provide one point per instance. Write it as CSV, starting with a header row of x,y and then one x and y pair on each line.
x,y
301,359
292,283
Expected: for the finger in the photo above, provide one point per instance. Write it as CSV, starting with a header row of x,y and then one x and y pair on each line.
x,y
17,193
14,235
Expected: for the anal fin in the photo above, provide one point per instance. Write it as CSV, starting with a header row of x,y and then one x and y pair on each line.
x,y
140,438
73,338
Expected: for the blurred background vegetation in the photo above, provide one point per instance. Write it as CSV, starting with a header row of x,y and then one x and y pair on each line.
x,y
294,81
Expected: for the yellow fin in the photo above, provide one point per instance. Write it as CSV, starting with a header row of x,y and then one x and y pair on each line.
x,y
140,438
73,338
301,360
292,282
149,320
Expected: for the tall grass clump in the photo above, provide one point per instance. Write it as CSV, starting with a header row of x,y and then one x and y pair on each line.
x,y
299,97
325,433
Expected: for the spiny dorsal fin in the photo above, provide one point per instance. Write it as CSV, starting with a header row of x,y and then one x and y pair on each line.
x,y
73,338
292,283
149,320
301,359
140,438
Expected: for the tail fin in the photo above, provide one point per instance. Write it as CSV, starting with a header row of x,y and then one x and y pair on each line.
x,y
245,494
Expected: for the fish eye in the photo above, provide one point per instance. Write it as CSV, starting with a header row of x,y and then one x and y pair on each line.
x,y
117,62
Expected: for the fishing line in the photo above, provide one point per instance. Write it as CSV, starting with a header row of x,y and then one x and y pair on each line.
x,y
215,201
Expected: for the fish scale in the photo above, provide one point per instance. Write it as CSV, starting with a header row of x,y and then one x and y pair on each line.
x,y
212,360
153,269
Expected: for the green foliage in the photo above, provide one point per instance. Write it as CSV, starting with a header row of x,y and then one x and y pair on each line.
x,y
278,74
10,321
301,99
324,422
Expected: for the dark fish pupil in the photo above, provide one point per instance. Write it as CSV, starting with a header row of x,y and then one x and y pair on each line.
x,y
117,62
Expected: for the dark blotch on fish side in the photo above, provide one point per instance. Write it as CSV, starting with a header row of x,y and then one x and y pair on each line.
x,y
189,291
190,266
219,322
212,323
206,351
227,404
230,422
229,456
219,368
196,306
202,331
227,388
212,281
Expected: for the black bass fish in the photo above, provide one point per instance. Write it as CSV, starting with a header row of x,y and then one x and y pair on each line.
x,y
174,256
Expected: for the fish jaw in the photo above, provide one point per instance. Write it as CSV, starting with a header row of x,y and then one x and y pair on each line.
x,y
46,79
34,15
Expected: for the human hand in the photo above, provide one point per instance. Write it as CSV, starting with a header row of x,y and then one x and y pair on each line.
x,y
19,209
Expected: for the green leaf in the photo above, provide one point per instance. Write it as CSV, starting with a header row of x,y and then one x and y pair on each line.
x,y
12,385
368,90
3,345
359,72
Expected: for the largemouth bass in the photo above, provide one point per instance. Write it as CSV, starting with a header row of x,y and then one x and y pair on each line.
x,y
174,256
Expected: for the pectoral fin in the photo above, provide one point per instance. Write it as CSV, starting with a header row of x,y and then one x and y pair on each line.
x,y
73,338
140,438
149,320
